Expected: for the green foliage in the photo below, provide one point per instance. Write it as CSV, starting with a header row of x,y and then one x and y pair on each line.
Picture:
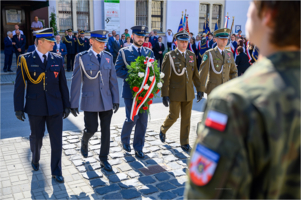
x,y
135,81
53,22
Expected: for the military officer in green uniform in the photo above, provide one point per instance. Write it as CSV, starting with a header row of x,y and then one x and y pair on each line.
x,y
181,72
218,64
248,144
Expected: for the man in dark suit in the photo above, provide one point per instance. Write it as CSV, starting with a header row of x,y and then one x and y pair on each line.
x,y
82,42
8,51
47,99
111,40
20,41
116,45
71,43
59,47
123,39
140,120
158,51
154,38
210,37
242,61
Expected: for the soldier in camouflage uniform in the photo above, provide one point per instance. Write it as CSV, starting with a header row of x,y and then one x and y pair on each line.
x,y
248,143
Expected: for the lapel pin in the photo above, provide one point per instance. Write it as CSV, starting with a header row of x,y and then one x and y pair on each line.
x,y
34,74
34,57
179,70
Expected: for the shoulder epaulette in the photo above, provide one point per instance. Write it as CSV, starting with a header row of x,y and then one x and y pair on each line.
x,y
229,50
189,51
148,48
108,53
125,48
56,55
25,54
82,53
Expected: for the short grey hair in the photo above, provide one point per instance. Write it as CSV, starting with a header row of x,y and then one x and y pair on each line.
x,y
58,35
9,32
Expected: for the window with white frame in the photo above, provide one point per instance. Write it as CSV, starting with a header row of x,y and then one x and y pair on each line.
x,y
203,16
65,14
216,16
157,15
141,12
82,13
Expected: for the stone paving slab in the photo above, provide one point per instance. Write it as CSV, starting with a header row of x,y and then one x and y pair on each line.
x,y
160,175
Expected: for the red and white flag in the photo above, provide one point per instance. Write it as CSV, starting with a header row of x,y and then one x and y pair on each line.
x,y
216,120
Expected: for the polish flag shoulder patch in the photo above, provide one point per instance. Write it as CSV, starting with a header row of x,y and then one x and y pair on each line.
x,y
202,165
216,120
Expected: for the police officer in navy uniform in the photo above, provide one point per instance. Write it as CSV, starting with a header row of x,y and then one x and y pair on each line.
x,y
71,43
47,98
94,70
82,42
130,54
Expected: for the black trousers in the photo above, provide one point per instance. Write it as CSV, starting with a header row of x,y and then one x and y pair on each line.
x,y
7,62
70,61
169,45
91,125
54,125
160,59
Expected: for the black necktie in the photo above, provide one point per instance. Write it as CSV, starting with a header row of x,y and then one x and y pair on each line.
x,y
223,54
45,60
98,57
139,51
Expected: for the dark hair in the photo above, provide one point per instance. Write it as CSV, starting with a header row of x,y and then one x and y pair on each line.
x,y
193,39
210,34
126,29
240,49
159,37
127,38
233,35
286,18
240,42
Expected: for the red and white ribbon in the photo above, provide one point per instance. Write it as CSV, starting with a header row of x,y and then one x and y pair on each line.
x,y
135,107
248,53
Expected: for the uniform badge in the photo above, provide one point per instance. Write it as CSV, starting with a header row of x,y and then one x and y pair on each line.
x,y
205,57
62,49
202,165
56,74
191,57
174,57
34,73
108,60
179,70
217,66
229,54
216,120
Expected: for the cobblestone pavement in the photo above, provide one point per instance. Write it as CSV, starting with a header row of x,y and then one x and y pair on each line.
x,y
160,175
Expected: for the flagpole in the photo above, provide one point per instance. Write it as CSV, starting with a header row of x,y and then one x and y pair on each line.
x,y
232,24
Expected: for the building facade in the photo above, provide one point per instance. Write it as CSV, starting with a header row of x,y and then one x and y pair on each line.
x,y
156,14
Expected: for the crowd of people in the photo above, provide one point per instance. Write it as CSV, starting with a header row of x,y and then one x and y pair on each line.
x,y
248,143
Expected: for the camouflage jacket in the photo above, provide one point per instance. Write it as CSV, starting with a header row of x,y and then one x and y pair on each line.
x,y
248,142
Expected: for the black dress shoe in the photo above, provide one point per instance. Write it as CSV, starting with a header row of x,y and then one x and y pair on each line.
x,y
84,149
106,165
162,136
59,179
10,70
139,154
126,147
35,166
4,70
186,147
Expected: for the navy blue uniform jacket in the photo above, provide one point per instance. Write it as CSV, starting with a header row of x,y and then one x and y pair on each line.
x,y
54,99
